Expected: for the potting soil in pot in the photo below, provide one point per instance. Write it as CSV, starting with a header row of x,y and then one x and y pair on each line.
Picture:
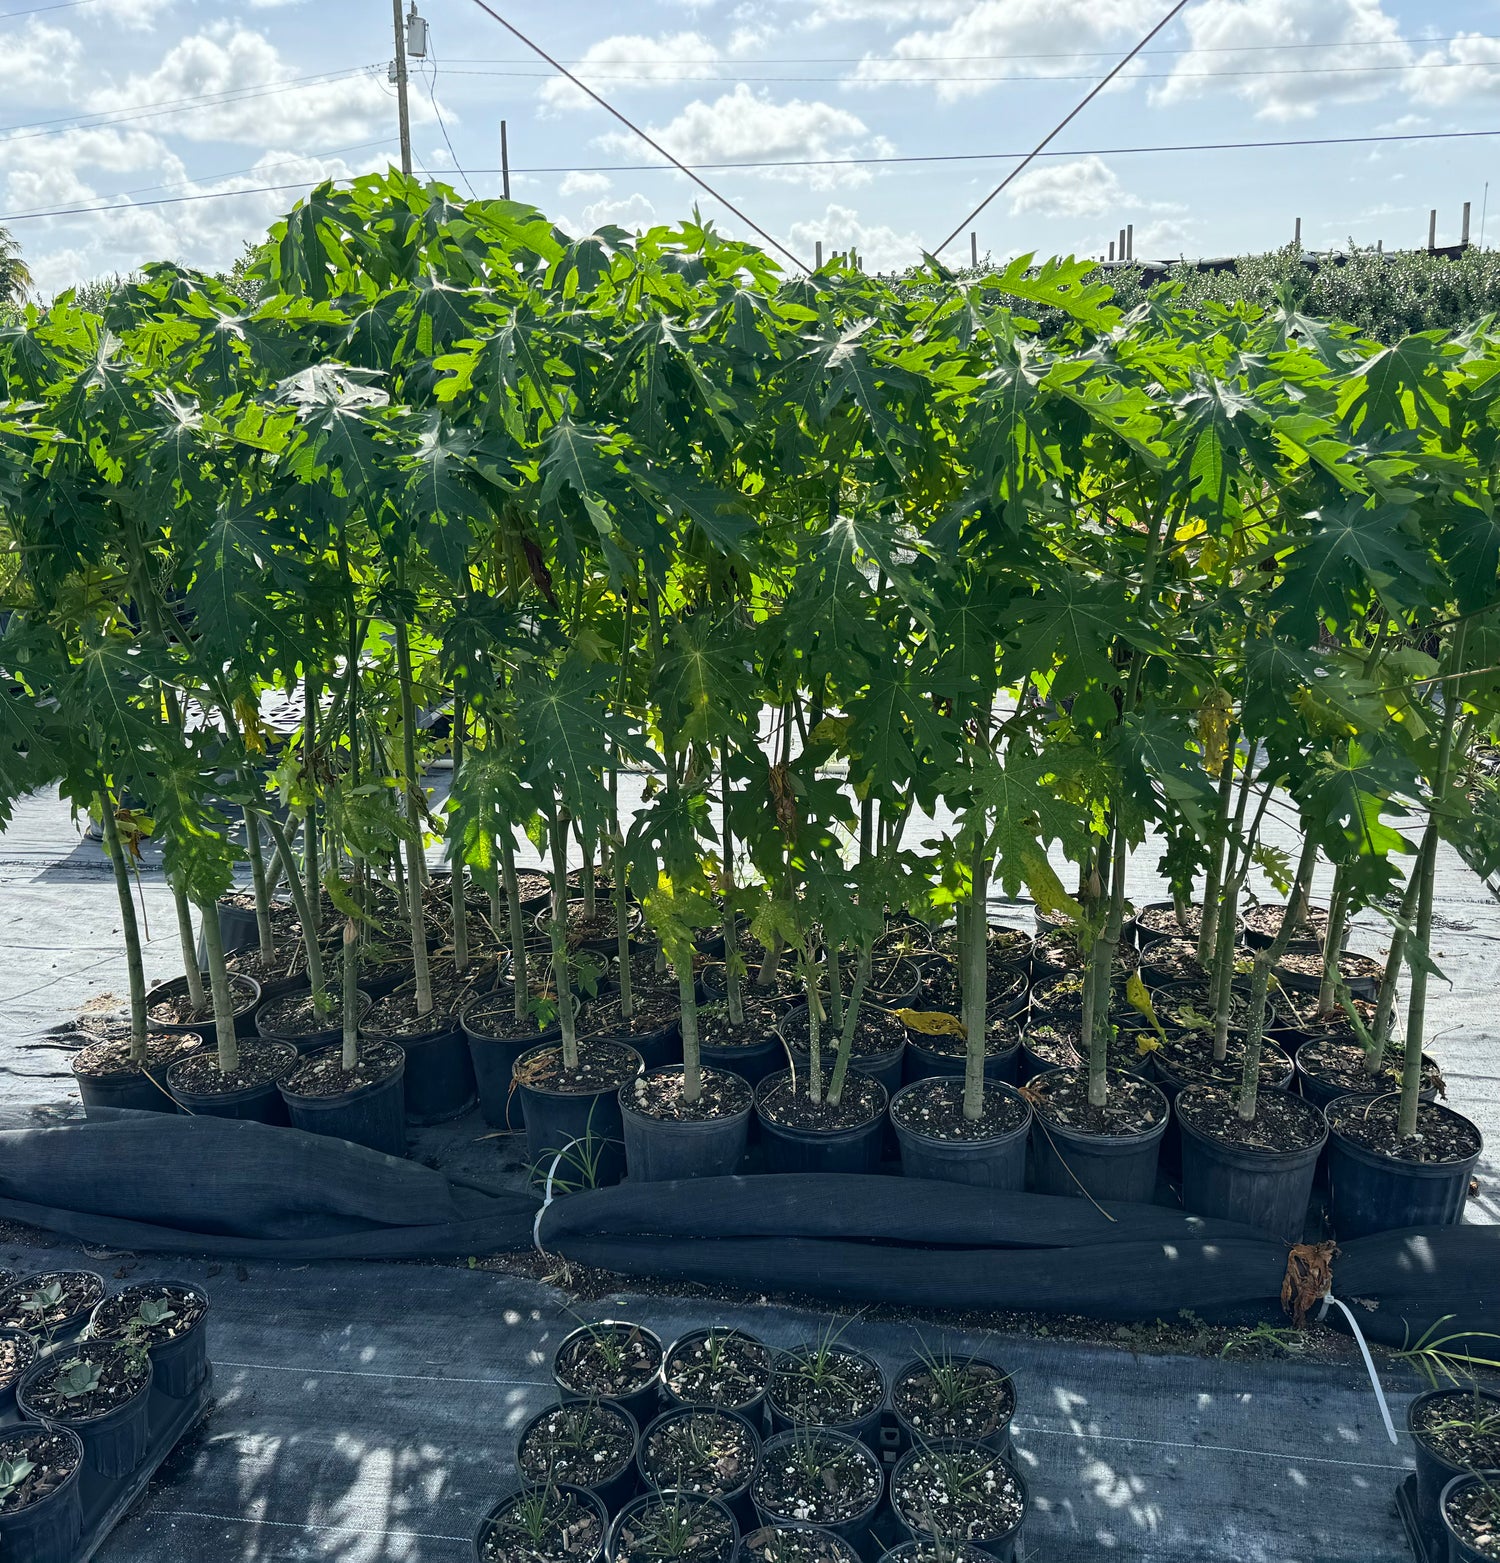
x,y
101,1060
86,1380
260,1062
171,1005
863,1100
1339,1061
1281,1122
717,1368
120,1314
547,1525
1187,1057
494,1016
1059,1046
1132,1107
817,1477
674,1528
1441,1136
608,1360
796,1544
954,1398
935,1108
584,1444
1263,923
825,1384
1002,1035
53,1458
876,1032
17,1353
47,1301
652,1009
700,1449
965,1491
1461,1427
602,1066
661,1096
323,1073
1473,1511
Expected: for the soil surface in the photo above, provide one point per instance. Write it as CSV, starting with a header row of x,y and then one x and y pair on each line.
x,y
931,1550
1299,1014
396,1014
935,1110
583,929
1062,951
700,1449
1001,1036
1058,1046
660,1096
1442,1136
1463,1427
122,1376
1340,1061
494,1015
53,1458
965,1491
815,1477
652,1009
261,1061
877,1032
796,1544
105,1060
171,1006
862,1102
942,986
120,1312
959,1397
1164,920
1186,1008
323,1074
716,1030
81,1293
675,1530
1282,1122
572,1531
293,1015
1265,922
785,984
1474,1512
1188,1059
288,959
1134,1105
1170,960
718,1368
611,1359
892,978
823,1384
602,1066
584,1444
1305,967
17,1353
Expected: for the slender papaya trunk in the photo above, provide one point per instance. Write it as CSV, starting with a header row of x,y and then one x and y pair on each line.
x,y
129,927
1338,918
194,978
1101,970
307,916
733,990
350,1057
687,996
1385,1000
313,694
814,1032
256,853
519,976
456,886
218,979
974,975
1213,879
561,969
851,1024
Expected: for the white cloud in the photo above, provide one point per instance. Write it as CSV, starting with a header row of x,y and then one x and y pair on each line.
x,y
890,13
1362,35
632,212
235,60
982,37
1085,187
138,14
41,57
743,125
583,184
879,246
633,60
1468,68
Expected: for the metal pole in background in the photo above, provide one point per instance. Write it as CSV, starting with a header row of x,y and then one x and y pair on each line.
x,y
401,109
504,163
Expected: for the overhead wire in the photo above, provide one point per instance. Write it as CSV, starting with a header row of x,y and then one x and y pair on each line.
x,y
1062,124
36,10
432,94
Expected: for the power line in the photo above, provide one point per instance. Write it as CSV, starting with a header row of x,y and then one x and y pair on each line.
x,y
1061,125
432,93
36,10
809,162
655,146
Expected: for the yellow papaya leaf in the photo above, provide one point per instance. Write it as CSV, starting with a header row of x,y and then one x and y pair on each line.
x,y
1148,1045
931,1022
1045,887
1140,1000
247,714
1213,730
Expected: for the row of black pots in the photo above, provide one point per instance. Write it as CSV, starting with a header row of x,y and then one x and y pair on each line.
x,y
111,1444
1439,1478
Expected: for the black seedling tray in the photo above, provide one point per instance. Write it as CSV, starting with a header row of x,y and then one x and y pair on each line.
x,y
1425,1548
107,1498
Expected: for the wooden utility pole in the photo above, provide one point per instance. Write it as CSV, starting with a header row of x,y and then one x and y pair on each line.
x,y
504,163
403,115
1432,230
817,255
1468,208
1297,237
974,250
1130,241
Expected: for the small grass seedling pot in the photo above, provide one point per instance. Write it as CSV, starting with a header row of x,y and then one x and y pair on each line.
x,y
612,1360
576,1508
940,1398
371,1113
257,1102
48,1529
927,1549
962,1516
658,1148
1438,1466
718,1367
685,1429
824,1383
707,1531
178,1347
973,1155
612,1480
839,1487
785,1543
1377,1190
1459,1499
114,1441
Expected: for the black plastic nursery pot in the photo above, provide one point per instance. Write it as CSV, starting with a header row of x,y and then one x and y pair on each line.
x,y
1378,1190
613,1484
258,1102
853,1527
796,1402
602,944
1435,1470
1004,1545
371,1113
179,1365
108,1081
659,1047
985,1160
48,1530
792,1148
693,1372
1322,1087
658,1148
574,1125
439,1079
1078,1161
884,1066
705,1513
493,1058
580,1368
245,992
81,1292
752,1061
1475,1487
928,1550
579,1495
983,1413
788,1543
1258,1187
237,926
17,1353
269,1022
928,1057
114,1442
732,1489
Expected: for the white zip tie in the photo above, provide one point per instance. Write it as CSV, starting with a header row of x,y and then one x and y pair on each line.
x,y
536,1224
1364,1351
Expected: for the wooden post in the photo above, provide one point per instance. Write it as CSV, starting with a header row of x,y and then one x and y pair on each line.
x,y
1468,208
504,163
974,251
1432,230
818,255
1130,241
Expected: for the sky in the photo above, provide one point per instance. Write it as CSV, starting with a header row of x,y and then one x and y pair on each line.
x,y
137,130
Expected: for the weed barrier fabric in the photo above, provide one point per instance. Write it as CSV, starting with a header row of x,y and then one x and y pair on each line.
x,y
223,1188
